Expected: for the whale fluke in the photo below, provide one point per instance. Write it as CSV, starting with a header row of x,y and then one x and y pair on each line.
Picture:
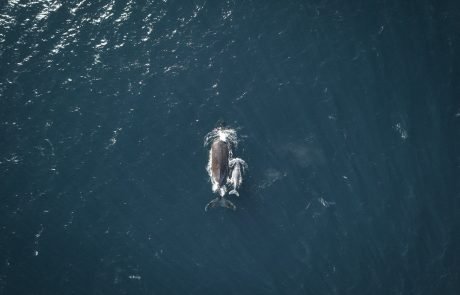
x,y
234,192
220,202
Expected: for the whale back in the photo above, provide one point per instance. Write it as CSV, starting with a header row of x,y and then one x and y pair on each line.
x,y
219,162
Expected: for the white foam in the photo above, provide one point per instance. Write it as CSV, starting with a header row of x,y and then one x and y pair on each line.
x,y
227,135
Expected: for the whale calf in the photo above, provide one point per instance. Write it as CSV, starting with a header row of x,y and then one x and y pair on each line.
x,y
238,167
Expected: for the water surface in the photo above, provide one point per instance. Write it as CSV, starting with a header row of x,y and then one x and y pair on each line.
x,y
348,117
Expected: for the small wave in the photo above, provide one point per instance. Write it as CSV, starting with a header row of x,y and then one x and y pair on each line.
x,y
325,203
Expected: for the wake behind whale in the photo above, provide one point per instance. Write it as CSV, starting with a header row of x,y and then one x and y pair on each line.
x,y
222,169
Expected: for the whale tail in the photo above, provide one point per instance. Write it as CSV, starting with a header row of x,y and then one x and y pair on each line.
x,y
234,192
220,202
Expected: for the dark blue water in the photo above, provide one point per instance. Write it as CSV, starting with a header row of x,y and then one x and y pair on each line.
x,y
348,115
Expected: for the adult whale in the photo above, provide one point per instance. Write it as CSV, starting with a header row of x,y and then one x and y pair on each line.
x,y
218,169
219,166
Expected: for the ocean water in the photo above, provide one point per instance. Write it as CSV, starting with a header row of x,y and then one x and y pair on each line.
x,y
347,112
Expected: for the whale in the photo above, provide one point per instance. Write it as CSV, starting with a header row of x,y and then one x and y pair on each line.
x,y
238,166
218,169
219,156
